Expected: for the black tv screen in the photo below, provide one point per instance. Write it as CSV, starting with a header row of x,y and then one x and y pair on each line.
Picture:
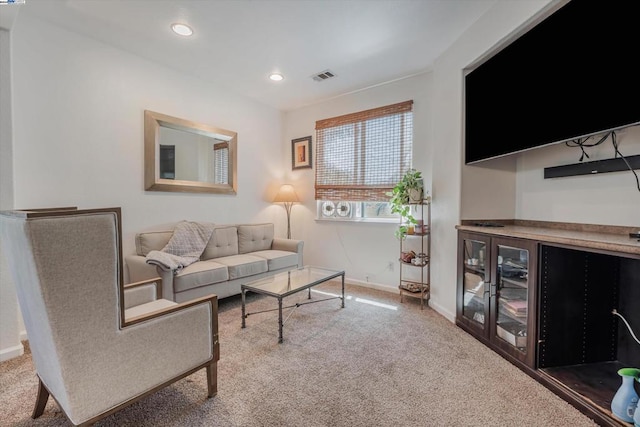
x,y
572,75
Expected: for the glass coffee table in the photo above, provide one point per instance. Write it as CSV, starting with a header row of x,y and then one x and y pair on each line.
x,y
288,283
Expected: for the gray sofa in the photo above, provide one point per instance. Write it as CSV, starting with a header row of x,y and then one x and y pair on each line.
x,y
235,254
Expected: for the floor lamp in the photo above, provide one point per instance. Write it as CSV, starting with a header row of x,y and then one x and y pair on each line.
x,y
287,195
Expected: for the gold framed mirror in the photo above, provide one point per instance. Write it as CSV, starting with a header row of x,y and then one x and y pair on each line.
x,y
185,156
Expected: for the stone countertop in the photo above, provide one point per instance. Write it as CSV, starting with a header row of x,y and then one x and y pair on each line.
x,y
607,238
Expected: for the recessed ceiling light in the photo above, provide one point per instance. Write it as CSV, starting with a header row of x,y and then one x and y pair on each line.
x,y
276,77
182,29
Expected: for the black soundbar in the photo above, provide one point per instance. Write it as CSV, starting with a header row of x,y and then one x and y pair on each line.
x,y
592,168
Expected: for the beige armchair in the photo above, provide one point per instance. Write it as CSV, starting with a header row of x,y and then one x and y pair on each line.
x,y
93,352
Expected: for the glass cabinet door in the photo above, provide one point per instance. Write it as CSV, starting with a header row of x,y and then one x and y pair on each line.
x,y
475,281
496,291
512,297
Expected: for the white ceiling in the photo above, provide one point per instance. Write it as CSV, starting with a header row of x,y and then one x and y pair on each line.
x,y
238,43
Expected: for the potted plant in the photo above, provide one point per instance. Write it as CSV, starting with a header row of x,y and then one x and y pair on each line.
x,y
408,190
408,219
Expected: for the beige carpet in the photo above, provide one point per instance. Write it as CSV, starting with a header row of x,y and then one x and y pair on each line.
x,y
374,363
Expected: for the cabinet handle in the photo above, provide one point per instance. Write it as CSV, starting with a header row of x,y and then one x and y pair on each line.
x,y
487,287
493,290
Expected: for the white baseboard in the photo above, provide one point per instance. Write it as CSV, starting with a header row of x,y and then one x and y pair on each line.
x,y
371,285
437,307
11,352
444,312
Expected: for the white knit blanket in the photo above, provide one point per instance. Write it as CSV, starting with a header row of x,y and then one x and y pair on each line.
x,y
184,248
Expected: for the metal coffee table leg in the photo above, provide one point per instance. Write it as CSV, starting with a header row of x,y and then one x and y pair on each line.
x,y
280,320
243,309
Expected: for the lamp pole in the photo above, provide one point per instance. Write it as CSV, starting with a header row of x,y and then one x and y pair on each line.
x,y
287,196
287,207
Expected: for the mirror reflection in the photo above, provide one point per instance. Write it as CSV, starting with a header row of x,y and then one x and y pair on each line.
x,y
181,155
193,157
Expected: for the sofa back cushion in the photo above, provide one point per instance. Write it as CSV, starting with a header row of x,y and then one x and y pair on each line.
x,y
254,237
223,242
152,241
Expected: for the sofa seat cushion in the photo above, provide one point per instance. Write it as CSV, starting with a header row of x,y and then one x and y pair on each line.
x,y
200,273
243,265
277,260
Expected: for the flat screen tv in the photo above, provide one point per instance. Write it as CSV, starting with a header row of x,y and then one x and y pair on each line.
x,y
572,75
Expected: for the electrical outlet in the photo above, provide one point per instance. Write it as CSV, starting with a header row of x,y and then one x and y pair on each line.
x,y
390,266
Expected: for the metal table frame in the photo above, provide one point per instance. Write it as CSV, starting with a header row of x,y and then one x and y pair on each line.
x,y
280,296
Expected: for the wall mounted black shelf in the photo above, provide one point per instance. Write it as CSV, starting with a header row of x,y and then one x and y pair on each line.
x,y
592,168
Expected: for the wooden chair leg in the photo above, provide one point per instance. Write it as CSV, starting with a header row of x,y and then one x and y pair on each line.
x,y
41,400
212,379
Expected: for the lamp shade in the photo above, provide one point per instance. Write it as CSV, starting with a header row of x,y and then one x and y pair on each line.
x,y
286,194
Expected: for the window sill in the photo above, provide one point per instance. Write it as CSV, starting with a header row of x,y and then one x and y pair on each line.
x,y
360,220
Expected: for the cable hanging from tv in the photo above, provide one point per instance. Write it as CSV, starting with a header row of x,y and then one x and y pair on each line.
x,y
618,163
582,143
618,153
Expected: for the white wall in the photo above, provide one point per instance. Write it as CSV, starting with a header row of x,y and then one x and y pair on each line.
x,y
77,138
610,198
363,250
489,189
503,19
78,134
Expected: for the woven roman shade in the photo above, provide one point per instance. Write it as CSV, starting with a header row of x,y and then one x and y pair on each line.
x,y
361,156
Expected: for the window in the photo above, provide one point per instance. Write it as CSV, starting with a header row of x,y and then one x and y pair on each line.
x,y
355,211
360,157
221,162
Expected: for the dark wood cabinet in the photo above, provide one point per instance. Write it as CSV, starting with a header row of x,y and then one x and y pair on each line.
x,y
582,344
497,293
555,301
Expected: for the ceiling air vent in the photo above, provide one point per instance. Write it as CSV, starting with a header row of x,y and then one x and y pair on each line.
x,y
320,77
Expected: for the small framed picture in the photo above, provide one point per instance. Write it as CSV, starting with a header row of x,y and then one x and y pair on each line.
x,y
301,153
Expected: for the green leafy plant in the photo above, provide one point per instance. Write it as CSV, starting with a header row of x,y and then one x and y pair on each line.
x,y
403,229
400,199
411,180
